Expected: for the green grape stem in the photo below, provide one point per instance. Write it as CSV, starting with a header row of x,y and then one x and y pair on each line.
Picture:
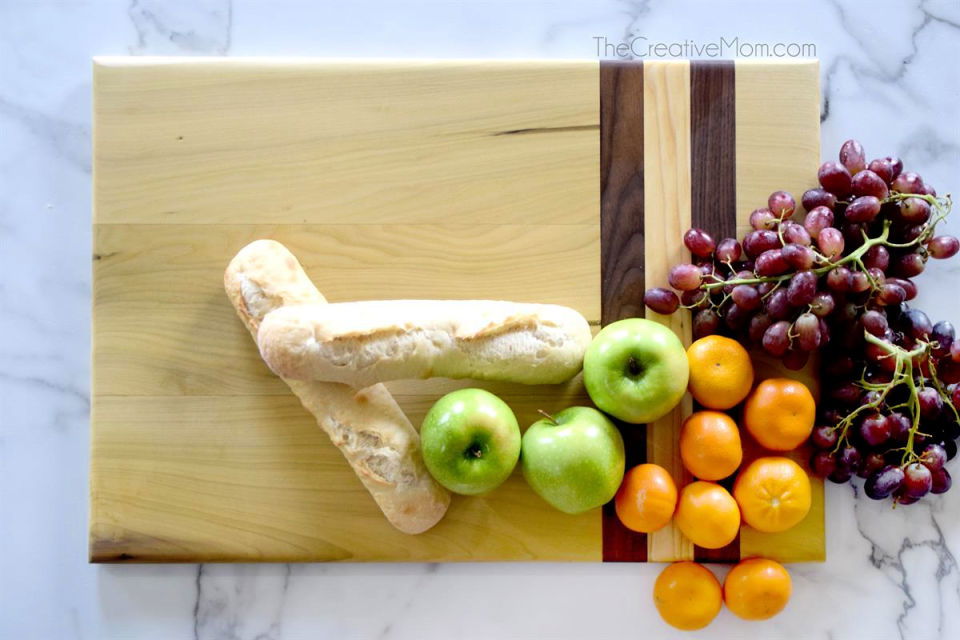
x,y
940,205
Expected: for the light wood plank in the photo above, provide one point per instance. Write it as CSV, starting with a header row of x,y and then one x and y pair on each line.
x,y
162,324
666,129
211,141
778,147
203,478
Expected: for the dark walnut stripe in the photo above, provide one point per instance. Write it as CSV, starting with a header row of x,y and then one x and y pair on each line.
x,y
621,252
713,181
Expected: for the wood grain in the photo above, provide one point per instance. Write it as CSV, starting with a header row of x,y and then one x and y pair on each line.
x,y
622,253
778,147
666,125
163,327
713,187
222,478
277,141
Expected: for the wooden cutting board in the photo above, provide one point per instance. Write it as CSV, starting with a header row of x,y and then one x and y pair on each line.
x,y
560,182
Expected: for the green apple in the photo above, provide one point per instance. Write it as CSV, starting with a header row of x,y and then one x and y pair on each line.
x,y
471,441
636,370
574,460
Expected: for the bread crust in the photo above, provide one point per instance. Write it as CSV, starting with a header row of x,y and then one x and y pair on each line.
x,y
362,343
367,425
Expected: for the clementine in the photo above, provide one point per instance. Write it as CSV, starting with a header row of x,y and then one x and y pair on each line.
x,y
721,373
708,515
710,445
757,589
687,595
773,494
646,499
779,414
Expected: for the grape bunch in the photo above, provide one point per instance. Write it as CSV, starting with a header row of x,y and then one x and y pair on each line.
x,y
839,281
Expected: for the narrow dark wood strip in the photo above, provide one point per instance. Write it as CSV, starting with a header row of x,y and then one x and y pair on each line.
x,y
621,252
713,181
713,146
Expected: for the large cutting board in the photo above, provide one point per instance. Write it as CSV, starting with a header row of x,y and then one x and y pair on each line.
x,y
562,182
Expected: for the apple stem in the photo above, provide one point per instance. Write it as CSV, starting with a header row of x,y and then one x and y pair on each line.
x,y
547,416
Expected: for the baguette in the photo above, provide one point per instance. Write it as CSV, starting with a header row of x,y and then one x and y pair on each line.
x,y
362,343
367,425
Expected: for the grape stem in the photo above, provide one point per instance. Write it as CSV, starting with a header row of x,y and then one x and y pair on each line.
x,y
940,205
902,374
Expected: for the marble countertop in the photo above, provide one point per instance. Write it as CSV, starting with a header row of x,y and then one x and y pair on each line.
x,y
890,79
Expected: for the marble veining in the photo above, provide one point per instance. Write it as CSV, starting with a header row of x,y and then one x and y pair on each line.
x,y
889,78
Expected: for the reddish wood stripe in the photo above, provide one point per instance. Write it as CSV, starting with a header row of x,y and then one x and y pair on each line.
x,y
621,252
713,182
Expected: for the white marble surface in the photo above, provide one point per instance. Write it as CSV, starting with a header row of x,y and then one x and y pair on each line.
x,y
890,78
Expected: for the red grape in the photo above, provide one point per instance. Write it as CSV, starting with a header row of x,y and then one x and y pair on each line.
x,y
775,338
859,282
872,463
835,178
852,156
907,285
874,429
699,242
877,257
756,242
736,317
771,263
817,220
798,256
777,305
874,322
813,198
896,164
918,324
830,241
661,300
933,456
793,232
877,276
824,437
908,265
757,326
705,323
863,209
943,247
917,480
914,211
781,204
822,306
838,280
867,183
883,483
940,481
847,394
899,427
746,297
684,277
928,190
930,402
907,182
728,250
763,218
943,334
891,294
850,458
807,329
802,288
823,464
883,168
